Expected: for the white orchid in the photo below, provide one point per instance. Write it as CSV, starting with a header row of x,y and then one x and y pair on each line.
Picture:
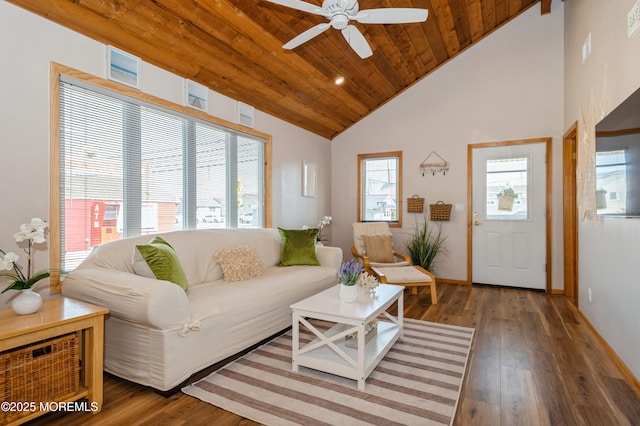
x,y
23,234
8,260
34,233
324,221
39,224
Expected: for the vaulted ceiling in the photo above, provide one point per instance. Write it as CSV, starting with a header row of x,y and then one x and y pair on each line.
x,y
234,47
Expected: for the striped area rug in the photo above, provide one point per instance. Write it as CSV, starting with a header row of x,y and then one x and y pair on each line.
x,y
417,383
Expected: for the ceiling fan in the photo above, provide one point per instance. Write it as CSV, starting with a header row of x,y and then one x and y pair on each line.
x,y
340,12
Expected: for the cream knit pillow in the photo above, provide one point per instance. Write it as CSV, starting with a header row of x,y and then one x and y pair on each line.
x,y
240,263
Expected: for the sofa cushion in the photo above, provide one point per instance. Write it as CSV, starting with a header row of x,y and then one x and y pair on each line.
x,y
298,247
196,249
158,259
240,263
379,248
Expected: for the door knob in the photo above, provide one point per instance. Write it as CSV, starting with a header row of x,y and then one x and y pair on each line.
x,y
476,222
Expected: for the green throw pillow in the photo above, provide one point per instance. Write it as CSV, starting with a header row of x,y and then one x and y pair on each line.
x,y
163,261
298,247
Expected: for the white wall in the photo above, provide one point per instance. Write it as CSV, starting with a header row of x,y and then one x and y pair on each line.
x,y
608,247
29,43
507,87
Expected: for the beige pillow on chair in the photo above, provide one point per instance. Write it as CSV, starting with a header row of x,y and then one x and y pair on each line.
x,y
379,248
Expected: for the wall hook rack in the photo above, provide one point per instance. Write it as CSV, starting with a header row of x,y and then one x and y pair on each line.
x,y
433,164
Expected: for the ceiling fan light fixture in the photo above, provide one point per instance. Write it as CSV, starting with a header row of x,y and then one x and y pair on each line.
x,y
339,80
340,21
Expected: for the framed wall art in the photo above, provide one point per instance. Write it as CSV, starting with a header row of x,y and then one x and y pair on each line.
x,y
309,179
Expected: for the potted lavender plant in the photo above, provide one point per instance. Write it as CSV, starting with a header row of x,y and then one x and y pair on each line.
x,y
348,275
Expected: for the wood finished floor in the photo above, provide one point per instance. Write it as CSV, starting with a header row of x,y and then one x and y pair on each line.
x,y
534,361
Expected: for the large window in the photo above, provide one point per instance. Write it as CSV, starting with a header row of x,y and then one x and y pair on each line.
x,y
131,167
380,188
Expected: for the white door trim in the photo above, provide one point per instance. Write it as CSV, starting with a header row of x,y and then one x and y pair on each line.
x,y
470,149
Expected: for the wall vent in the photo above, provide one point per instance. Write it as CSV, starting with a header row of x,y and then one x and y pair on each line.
x,y
245,114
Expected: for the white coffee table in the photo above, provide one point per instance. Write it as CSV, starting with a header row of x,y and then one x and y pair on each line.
x,y
328,352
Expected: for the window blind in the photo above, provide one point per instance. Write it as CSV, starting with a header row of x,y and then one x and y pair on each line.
x,y
131,168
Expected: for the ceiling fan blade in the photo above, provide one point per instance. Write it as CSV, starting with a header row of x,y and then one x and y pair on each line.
x,y
307,35
357,41
398,15
301,5
350,5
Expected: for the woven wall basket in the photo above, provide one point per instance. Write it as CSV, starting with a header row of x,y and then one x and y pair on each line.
x,y
415,204
440,211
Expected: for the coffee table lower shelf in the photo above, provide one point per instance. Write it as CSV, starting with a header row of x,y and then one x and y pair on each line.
x,y
325,358
328,352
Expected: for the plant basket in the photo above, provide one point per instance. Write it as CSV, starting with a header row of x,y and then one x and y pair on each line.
x,y
415,204
505,203
40,372
440,211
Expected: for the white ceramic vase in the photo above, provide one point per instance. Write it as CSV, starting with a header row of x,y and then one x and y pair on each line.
x,y
27,302
348,293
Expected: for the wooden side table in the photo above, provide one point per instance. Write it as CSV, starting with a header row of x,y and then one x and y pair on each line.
x,y
57,317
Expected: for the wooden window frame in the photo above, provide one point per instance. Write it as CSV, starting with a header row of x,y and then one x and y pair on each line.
x,y
399,205
55,285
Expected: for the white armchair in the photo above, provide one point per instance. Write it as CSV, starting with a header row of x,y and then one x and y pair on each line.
x,y
373,245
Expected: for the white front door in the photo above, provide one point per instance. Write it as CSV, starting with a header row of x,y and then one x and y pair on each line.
x,y
509,235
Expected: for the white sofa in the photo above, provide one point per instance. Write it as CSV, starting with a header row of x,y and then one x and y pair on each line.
x,y
158,335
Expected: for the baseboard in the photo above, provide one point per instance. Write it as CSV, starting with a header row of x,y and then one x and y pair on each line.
x,y
557,291
451,281
625,370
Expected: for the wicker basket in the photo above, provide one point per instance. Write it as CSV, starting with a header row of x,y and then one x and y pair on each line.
x,y
440,211
46,371
415,204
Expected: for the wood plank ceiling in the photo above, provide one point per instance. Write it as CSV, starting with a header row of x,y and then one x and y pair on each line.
x,y
235,48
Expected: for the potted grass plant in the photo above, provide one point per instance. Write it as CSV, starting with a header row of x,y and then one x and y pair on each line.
x,y
426,244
